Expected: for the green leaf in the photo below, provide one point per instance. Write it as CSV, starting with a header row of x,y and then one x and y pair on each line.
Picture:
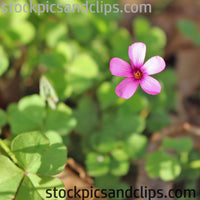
x,y
104,141
154,37
42,183
60,82
108,16
167,96
81,28
4,22
38,153
27,190
34,187
120,42
53,61
60,120
129,123
119,155
108,180
187,27
82,73
100,51
104,182
3,118
163,165
122,124
97,164
141,26
15,16
159,36
23,31
135,105
66,50
161,102
10,178
135,146
27,115
54,158
105,28
168,77
86,115
4,62
197,39
106,95
119,163
55,32
180,145
28,149
190,29
158,120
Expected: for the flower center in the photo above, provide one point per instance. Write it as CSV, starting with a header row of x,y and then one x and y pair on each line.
x,y
138,74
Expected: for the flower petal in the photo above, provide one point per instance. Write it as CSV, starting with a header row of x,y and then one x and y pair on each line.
x,y
137,53
150,85
119,67
154,65
127,88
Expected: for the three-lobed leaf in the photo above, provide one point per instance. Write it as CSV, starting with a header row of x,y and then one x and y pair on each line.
x,y
86,115
162,165
30,114
97,164
60,120
82,73
40,156
135,146
27,115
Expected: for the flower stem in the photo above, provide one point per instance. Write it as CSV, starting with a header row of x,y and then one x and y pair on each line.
x,y
9,153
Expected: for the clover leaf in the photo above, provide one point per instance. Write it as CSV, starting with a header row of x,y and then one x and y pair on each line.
x,y
135,146
86,115
119,162
60,120
154,37
23,31
30,114
97,164
82,73
106,95
27,115
162,165
10,178
180,145
39,156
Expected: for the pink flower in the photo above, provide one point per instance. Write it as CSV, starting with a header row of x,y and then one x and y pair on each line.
x,y
138,72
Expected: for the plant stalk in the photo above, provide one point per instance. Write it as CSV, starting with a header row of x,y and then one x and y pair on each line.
x,y
9,153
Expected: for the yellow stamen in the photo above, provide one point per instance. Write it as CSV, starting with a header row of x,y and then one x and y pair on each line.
x,y
138,74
